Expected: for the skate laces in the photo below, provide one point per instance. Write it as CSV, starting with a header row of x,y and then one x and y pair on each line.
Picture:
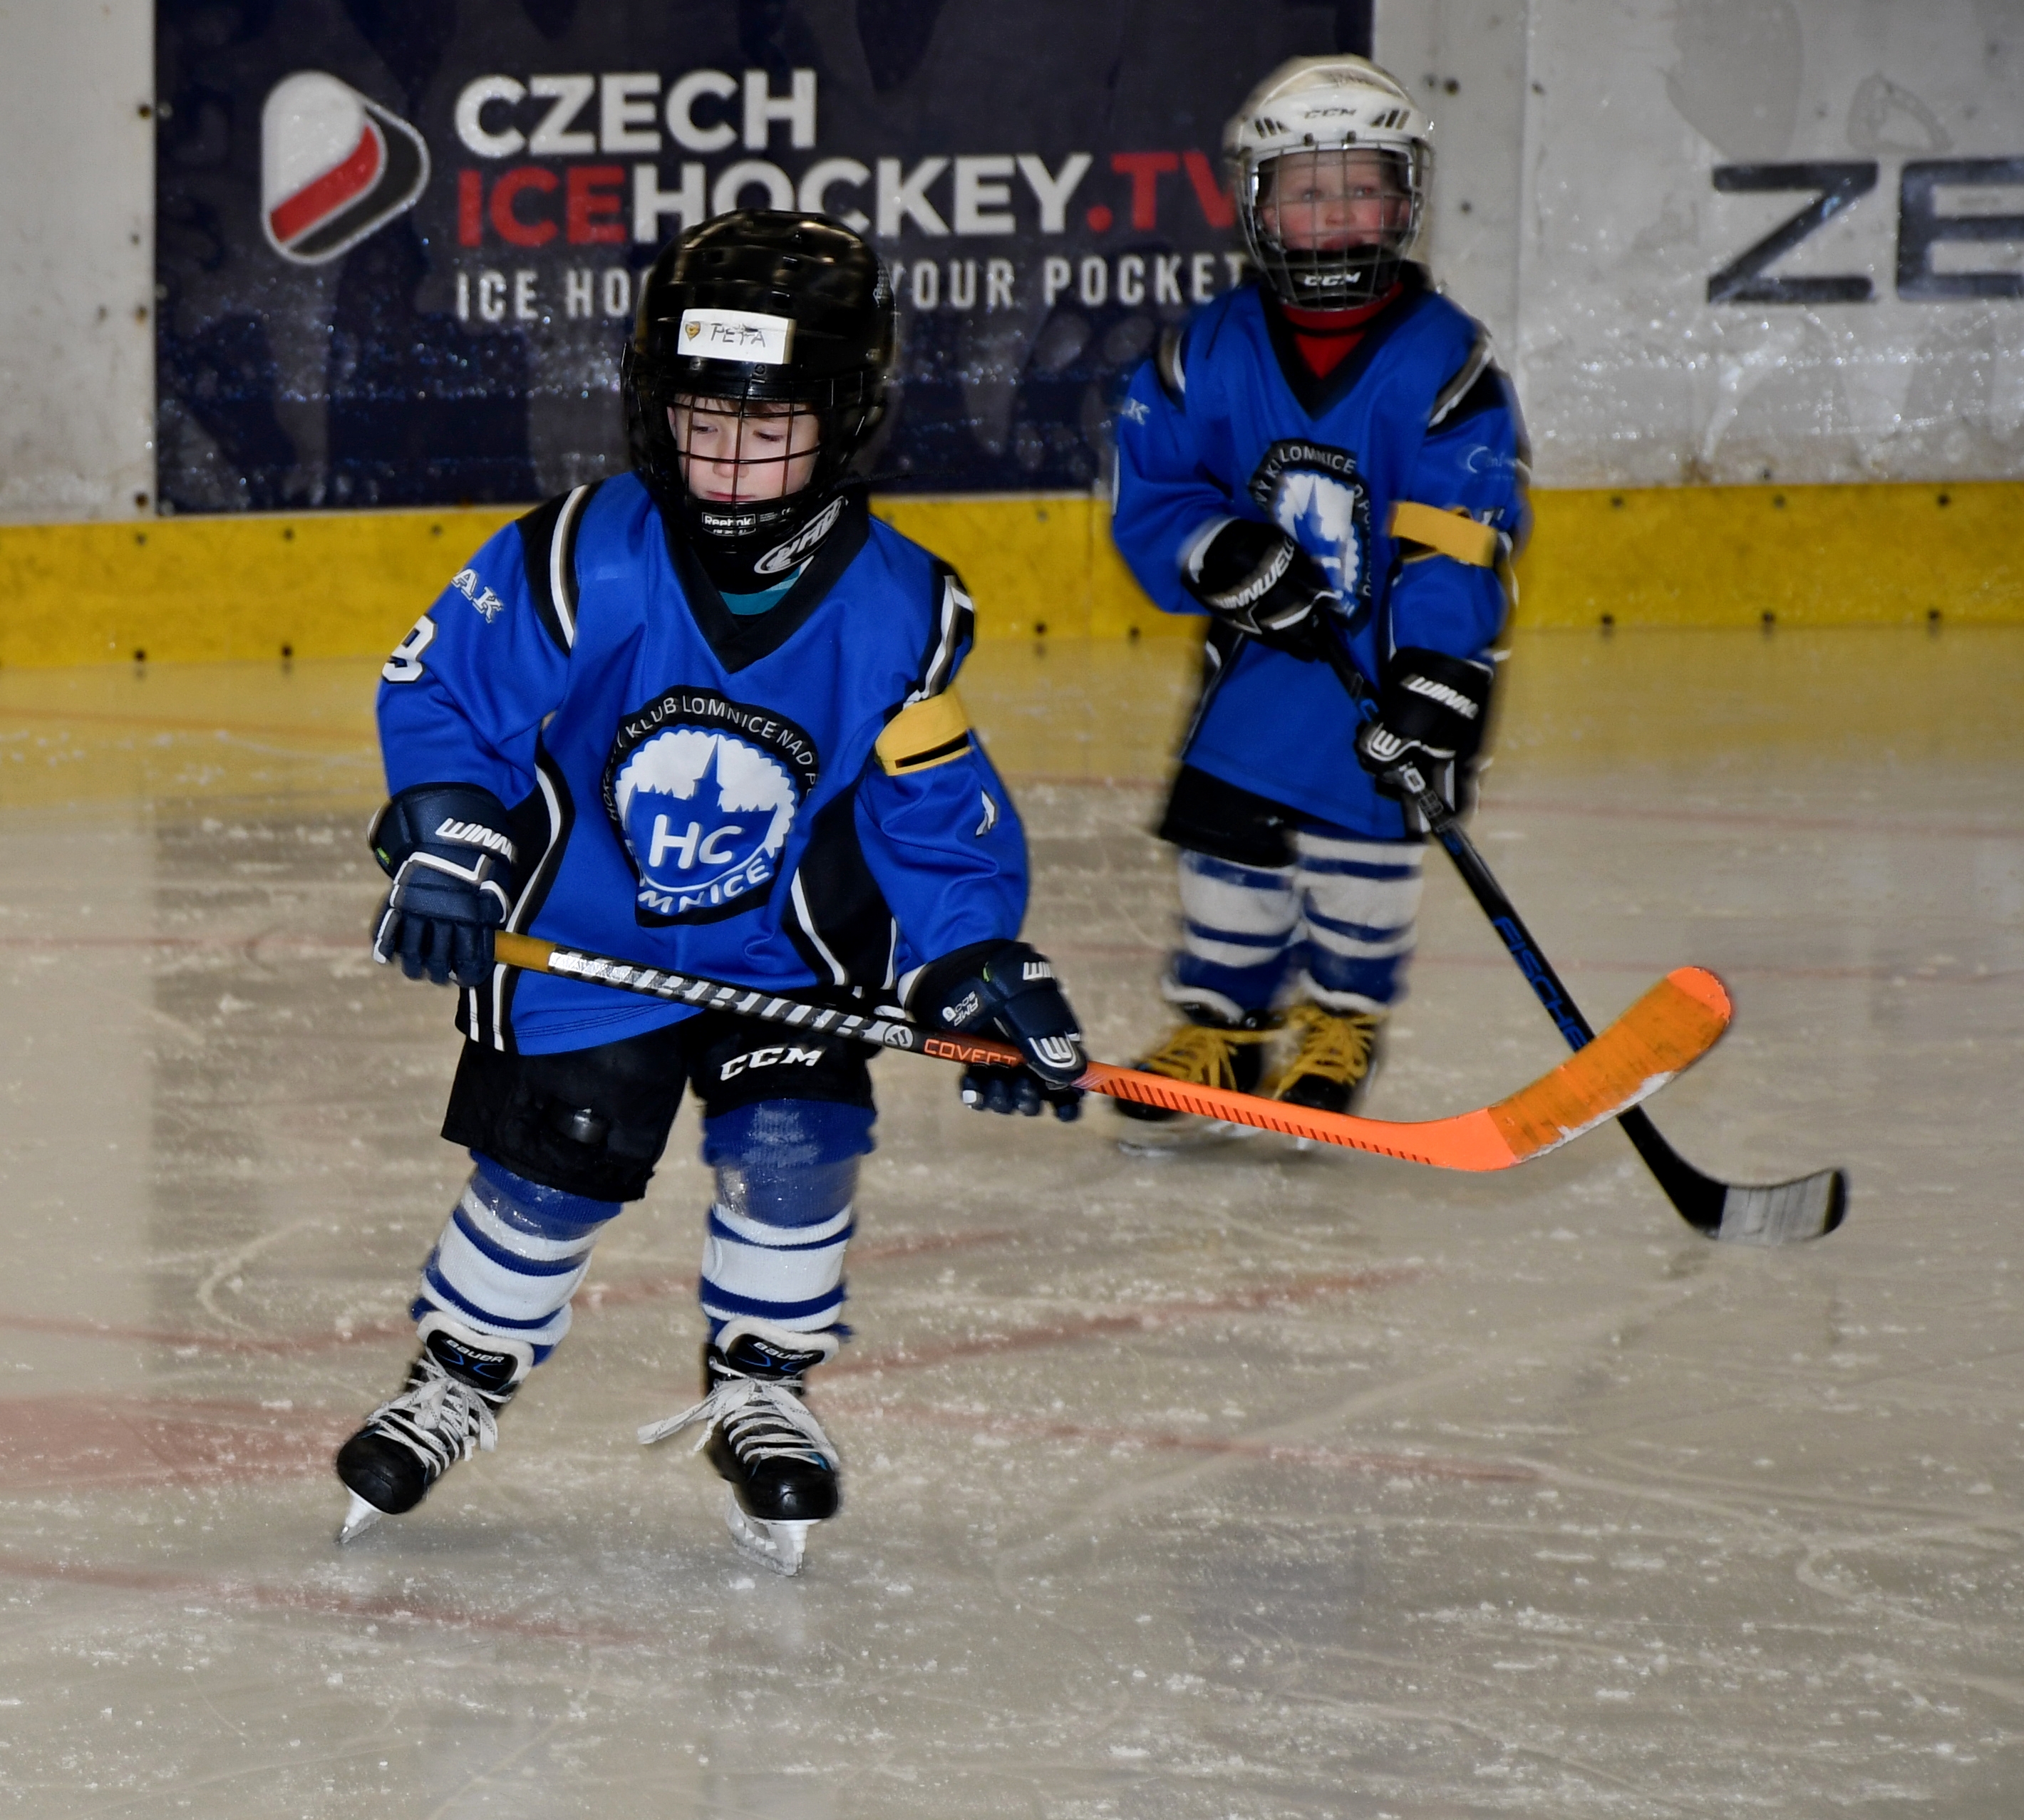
x,y
1336,1046
762,1419
1202,1054
442,1417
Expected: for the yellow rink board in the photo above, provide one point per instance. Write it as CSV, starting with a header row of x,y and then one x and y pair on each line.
x,y
350,583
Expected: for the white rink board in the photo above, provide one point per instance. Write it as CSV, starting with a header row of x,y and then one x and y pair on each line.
x,y
1629,375
77,281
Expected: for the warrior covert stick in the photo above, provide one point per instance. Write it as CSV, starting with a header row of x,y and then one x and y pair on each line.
x,y
1675,1023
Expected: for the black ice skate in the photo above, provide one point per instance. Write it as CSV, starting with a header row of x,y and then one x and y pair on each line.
x,y
1335,1056
1205,1052
448,1411
781,1468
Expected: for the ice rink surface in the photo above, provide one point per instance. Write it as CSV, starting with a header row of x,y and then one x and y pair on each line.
x,y
1255,1484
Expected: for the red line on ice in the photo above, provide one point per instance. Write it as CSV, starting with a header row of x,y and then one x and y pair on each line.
x,y
1277,1453
593,1298
1148,1319
379,1607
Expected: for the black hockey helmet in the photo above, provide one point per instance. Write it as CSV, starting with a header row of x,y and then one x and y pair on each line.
x,y
755,314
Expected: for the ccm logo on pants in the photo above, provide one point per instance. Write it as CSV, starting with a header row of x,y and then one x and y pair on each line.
x,y
781,1056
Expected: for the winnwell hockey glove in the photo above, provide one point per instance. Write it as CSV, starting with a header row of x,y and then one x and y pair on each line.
x,y
1431,710
1007,989
1258,580
445,848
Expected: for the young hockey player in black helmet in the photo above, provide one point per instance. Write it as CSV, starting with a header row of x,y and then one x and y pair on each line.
x,y
1325,457
701,716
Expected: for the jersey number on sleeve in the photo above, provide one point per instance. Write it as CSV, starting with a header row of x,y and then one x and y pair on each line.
x,y
405,665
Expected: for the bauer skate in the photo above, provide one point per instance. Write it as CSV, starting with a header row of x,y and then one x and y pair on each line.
x,y
1204,1053
1335,1056
780,1469
448,1411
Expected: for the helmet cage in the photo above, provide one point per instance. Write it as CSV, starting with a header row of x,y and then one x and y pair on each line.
x,y
730,407
1340,276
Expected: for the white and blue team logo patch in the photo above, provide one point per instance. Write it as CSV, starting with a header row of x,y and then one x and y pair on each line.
x,y
702,792
1313,493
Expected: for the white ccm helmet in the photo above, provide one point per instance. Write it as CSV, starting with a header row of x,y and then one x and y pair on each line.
x,y
1307,123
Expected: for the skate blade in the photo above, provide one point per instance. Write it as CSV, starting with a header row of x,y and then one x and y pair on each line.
x,y
779,1545
1185,1135
357,1520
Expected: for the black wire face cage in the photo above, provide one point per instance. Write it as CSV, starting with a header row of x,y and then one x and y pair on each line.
x,y
738,452
1341,228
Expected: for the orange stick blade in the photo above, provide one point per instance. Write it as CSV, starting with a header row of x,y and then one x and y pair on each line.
x,y
1669,1028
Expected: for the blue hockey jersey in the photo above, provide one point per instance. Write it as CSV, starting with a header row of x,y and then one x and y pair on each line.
x,y
792,799
1228,421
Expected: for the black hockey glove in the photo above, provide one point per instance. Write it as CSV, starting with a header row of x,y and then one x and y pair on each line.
x,y
1257,579
1431,710
1006,989
445,848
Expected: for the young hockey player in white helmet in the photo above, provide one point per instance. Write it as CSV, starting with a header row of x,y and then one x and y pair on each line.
x,y
1325,456
700,715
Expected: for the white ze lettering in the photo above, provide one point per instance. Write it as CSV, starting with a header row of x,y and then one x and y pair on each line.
x,y
690,845
405,665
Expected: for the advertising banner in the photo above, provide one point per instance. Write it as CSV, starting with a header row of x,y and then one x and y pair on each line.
x,y
398,246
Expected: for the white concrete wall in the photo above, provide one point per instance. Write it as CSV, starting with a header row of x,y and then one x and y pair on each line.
x,y
77,263
1631,376
1464,61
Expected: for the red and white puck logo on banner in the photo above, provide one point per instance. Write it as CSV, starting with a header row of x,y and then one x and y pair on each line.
x,y
334,167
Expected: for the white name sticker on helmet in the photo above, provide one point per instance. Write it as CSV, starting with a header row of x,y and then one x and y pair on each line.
x,y
738,334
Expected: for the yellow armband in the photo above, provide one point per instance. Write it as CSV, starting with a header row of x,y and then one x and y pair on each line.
x,y
923,735
1452,533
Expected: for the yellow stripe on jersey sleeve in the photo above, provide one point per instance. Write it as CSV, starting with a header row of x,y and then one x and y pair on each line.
x,y
1452,533
923,735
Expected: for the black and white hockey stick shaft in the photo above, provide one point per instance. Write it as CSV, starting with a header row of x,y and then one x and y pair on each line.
x,y
1809,1207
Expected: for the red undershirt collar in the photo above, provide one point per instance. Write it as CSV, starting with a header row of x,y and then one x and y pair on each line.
x,y
1326,338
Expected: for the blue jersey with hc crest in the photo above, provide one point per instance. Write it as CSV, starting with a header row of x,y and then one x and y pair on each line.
x,y
1228,421
788,799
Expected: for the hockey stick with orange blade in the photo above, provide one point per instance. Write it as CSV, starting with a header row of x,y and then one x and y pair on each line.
x,y
1672,1027
1778,1213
